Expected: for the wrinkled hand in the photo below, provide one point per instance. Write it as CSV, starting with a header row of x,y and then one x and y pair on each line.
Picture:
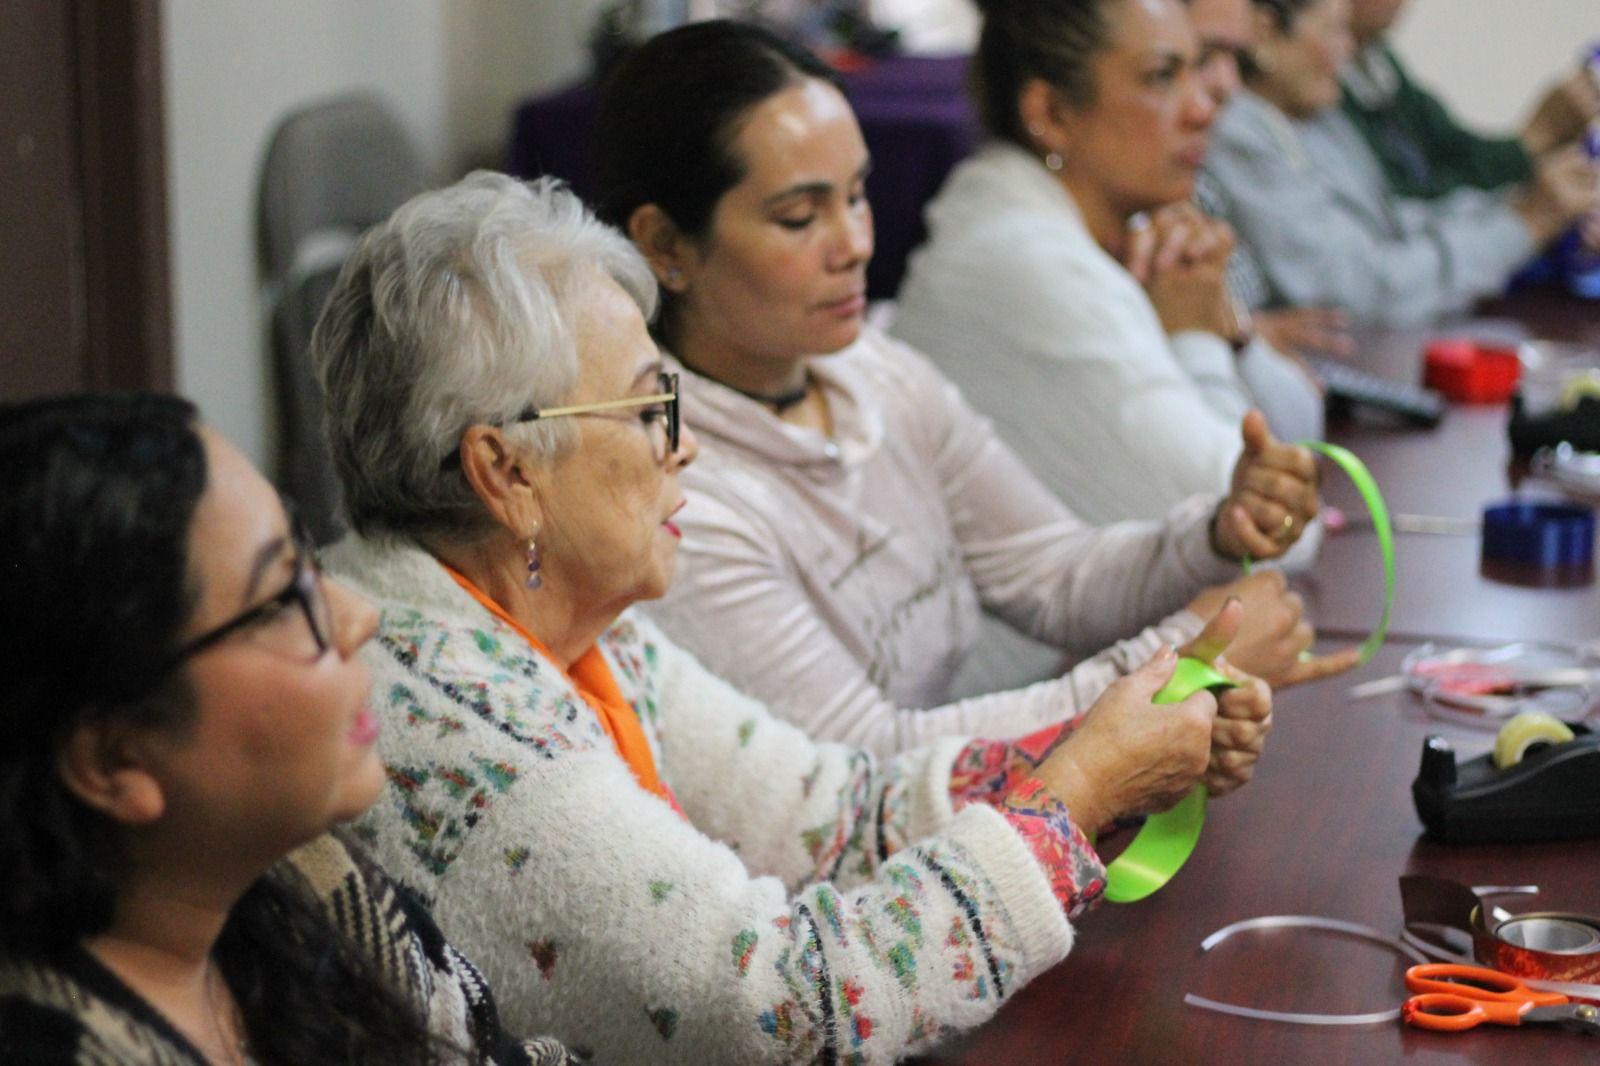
x,y
1294,330
1274,496
1273,632
1181,258
1244,714
1128,755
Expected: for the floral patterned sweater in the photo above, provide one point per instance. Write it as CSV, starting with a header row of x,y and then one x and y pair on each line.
x,y
811,902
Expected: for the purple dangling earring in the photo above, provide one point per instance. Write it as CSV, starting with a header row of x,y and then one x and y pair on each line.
x,y
532,554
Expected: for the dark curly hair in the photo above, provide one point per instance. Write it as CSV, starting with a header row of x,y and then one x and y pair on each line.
x,y
95,590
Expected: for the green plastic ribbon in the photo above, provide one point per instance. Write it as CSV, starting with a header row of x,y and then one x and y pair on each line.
x,y
1365,484
1358,473
1166,840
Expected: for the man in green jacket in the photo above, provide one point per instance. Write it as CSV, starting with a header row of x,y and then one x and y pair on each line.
x,y
1424,151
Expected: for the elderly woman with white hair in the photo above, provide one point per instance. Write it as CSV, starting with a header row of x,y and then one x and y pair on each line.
x,y
645,861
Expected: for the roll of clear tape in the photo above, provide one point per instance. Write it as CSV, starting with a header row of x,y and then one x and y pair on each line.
x,y
1559,936
1525,731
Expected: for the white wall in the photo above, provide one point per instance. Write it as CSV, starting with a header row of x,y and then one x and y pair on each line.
x,y
500,51
451,68
1491,59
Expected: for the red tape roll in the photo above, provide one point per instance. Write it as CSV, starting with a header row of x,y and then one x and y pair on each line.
x,y
1495,949
1540,946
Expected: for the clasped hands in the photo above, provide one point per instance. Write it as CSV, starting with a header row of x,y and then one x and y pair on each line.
x,y
1180,255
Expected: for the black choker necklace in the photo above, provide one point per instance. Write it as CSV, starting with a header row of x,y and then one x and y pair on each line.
x,y
781,402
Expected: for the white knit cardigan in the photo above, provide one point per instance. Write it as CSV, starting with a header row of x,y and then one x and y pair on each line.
x,y
812,902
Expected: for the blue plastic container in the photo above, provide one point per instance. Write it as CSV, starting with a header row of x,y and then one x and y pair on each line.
x,y
1530,542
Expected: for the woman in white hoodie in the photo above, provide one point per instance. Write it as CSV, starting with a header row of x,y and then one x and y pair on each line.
x,y
852,517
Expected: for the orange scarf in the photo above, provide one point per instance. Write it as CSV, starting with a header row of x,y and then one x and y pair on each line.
x,y
591,676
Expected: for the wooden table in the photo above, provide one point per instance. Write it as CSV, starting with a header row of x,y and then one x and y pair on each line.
x,y
1327,827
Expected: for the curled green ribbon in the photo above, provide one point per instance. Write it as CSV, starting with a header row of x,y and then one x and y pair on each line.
x,y
1358,473
1166,840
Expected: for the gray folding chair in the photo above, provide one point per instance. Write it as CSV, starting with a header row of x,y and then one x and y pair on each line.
x,y
332,170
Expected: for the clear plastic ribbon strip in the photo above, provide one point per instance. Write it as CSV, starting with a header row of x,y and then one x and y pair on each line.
x,y
1304,921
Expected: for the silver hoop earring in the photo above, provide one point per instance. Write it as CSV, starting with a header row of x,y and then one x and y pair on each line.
x,y
674,276
1052,160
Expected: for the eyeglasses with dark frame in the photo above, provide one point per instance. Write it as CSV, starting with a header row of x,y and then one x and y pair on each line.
x,y
304,591
667,397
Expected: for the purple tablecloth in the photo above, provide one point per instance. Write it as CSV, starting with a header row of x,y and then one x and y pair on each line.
x,y
914,114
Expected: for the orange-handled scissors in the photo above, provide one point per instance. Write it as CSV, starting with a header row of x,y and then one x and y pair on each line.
x,y
1450,998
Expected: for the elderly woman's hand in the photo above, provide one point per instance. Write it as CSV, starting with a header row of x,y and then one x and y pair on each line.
x,y
1239,732
1274,633
1274,495
1244,714
1128,755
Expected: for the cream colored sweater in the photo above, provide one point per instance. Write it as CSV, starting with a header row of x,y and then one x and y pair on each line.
x,y
842,580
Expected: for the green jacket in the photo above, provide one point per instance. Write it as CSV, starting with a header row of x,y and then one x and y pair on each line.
x,y
1425,153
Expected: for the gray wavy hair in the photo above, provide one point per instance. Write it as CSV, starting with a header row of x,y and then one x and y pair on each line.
x,y
457,311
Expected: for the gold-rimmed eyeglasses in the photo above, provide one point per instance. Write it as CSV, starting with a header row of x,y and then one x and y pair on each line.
x,y
666,397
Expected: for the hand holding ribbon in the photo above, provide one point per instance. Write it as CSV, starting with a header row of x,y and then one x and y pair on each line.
x,y
1273,495
1244,714
1167,839
1127,754
1274,641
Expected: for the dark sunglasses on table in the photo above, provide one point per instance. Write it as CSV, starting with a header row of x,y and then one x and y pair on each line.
x,y
303,593
666,395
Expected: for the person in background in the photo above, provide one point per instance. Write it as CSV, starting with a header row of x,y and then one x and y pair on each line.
x,y
645,861
1424,151
1304,191
852,516
1069,285
185,721
1225,30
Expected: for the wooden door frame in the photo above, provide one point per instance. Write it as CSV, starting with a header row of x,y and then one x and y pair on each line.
x,y
123,174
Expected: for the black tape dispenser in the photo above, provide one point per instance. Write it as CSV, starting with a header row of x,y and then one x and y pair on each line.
x,y
1541,782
